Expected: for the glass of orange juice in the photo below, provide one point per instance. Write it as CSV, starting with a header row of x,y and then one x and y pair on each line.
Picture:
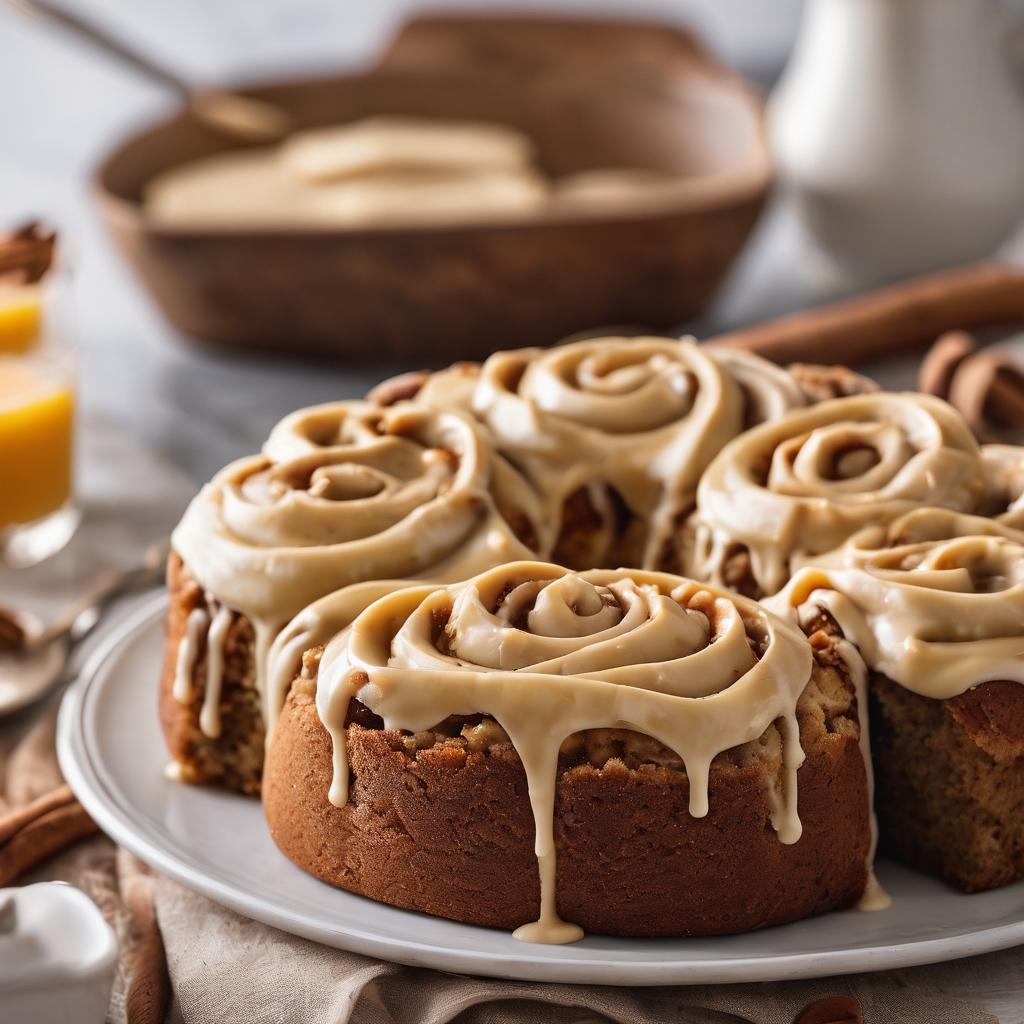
x,y
37,513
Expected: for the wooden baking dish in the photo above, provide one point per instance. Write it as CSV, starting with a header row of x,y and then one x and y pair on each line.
x,y
590,94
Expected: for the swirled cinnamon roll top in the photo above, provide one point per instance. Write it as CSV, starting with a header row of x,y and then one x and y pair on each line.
x,y
790,490
1003,466
935,601
615,432
346,493
548,653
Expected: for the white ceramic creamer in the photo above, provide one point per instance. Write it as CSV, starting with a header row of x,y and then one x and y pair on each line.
x,y
900,126
57,956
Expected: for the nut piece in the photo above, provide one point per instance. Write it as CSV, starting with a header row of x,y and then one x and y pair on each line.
x,y
402,388
12,636
942,361
27,254
820,383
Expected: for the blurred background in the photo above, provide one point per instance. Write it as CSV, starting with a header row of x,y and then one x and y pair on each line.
x,y
64,105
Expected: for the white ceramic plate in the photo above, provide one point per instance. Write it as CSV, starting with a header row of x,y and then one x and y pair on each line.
x,y
112,754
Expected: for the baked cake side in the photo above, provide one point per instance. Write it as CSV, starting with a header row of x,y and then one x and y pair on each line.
x,y
440,820
233,757
935,604
950,781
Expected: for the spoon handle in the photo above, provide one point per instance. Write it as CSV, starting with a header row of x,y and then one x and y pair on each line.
x,y
99,38
107,585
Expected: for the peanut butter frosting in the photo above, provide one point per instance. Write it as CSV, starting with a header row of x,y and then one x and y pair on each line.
x,y
792,489
769,392
643,416
936,610
922,526
1004,482
344,493
549,653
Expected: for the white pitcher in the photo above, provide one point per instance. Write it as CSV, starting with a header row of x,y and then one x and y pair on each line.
x,y
900,124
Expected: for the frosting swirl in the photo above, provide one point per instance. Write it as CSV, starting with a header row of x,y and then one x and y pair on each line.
x,y
935,609
348,492
549,653
1004,482
769,392
793,489
632,423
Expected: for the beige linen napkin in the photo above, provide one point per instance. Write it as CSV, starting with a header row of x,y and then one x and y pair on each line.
x,y
221,967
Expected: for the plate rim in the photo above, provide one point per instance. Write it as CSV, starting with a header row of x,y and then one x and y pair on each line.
x,y
86,780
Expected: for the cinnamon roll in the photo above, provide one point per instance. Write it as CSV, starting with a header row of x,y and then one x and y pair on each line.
x,y
342,493
793,489
935,604
537,749
615,432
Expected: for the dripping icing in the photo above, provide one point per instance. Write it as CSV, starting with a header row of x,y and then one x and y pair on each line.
x,y
558,677
342,493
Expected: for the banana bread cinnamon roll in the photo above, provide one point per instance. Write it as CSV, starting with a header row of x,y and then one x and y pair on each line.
x,y
935,604
614,434
793,489
342,493
616,751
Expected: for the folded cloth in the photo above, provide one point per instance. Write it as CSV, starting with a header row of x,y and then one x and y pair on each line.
x,y
186,960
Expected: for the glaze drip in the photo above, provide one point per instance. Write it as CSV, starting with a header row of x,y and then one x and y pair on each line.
x,y
343,493
548,653
206,627
936,614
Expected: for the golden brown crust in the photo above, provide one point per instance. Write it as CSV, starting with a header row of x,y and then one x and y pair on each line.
x,y
448,830
950,781
235,758
992,716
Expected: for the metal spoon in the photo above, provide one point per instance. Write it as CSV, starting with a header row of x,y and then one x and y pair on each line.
x,y
235,117
33,654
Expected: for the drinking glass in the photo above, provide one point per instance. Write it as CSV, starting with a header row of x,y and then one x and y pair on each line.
x,y
37,417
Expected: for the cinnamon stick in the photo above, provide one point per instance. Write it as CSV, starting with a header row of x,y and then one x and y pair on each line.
x,y
836,1010
944,358
27,253
988,389
899,318
149,984
42,837
17,820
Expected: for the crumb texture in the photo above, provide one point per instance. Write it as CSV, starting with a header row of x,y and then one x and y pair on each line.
x,y
950,781
440,822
